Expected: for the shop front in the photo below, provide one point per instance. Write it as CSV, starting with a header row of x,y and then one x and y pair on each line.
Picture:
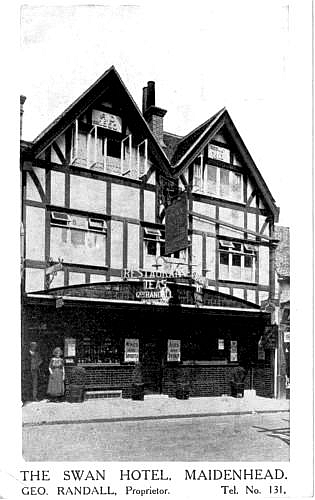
x,y
176,330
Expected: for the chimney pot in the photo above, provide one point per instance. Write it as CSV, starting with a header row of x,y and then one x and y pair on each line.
x,y
151,94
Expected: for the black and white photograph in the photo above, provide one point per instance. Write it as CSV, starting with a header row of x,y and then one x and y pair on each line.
x,y
157,196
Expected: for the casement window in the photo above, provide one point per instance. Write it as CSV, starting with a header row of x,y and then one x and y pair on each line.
x,y
78,239
60,218
216,181
237,261
142,157
154,244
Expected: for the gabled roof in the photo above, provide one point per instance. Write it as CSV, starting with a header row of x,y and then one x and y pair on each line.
x,y
109,79
171,141
190,139
192,144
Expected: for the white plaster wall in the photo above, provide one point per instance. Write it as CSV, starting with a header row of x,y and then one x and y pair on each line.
x,y
61,143
87,194
41,175
262,219
235,217
76,278
57,188
35,233
250,189
92,252
58,280
204,209
263,265
133,246
224,289
251,296
31,190
149,206
116,244
197,253
34,279
238,292
210,257
125,201
251,224
97,278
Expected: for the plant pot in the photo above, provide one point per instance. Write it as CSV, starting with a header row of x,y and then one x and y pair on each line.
x,y
137,393
182,391
75,393
237,389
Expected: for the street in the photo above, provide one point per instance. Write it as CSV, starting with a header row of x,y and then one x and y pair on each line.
x,y
255,437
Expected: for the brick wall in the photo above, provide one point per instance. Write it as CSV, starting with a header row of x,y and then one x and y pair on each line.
x,y
108,378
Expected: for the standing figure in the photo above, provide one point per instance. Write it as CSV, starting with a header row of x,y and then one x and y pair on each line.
x,y
35,362
56,376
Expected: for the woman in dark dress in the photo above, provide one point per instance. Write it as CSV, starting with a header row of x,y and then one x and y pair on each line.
x,y
56,382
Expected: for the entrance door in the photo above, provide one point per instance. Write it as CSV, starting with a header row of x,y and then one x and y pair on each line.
x,y
152,368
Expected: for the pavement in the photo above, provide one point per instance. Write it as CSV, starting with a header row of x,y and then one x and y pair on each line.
x,y
153,407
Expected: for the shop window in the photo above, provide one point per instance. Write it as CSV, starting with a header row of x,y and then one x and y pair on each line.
x,y
99,350
236,261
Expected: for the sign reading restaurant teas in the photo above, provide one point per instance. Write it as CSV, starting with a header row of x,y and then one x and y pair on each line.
x,y
156,290
176,225
106,120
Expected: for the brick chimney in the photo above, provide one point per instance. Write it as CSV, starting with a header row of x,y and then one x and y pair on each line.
x,y
153,115
22,101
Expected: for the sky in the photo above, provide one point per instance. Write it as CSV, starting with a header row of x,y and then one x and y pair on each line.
x,y
227,53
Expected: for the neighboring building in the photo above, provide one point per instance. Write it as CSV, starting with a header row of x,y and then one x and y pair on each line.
x,y
96,184
283,294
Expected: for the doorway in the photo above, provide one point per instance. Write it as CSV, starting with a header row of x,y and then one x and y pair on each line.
x,y
152,368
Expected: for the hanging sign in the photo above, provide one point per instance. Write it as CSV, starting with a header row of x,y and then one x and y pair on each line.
x,y
173,350
132,350
176,225
106,120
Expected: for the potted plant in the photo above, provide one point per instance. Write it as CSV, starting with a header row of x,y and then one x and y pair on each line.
x,y
76,386
137,393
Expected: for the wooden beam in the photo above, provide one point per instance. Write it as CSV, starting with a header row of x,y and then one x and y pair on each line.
x,y
59,153
227,224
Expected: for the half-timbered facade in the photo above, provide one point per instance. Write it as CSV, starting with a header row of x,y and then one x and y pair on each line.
x,y
95,187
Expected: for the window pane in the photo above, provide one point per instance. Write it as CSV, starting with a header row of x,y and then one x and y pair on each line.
x,y
224,183
151,247
235,186
224,258
248,261
211,179
236,260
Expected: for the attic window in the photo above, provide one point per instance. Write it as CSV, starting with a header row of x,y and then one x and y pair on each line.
x,y
60,218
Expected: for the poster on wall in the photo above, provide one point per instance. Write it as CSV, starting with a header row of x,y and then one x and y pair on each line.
x,y
131,350
233,350
70,345
173,350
